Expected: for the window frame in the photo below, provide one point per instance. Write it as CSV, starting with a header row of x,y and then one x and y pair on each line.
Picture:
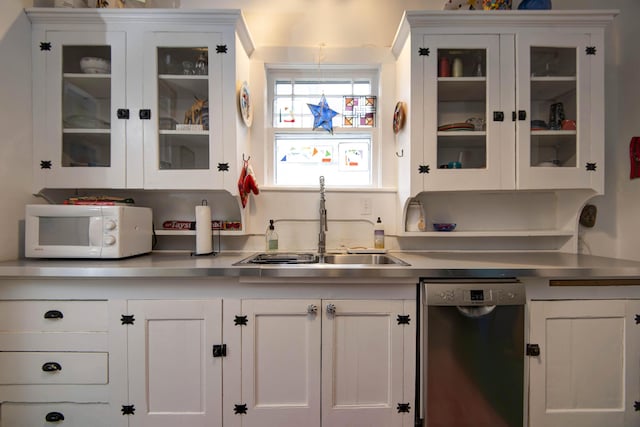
x,y
338,72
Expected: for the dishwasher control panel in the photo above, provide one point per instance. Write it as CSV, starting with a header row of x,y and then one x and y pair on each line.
x,y
472,293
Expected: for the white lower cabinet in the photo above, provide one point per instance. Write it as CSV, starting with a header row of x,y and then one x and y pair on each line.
x,y
588,370
327,363
174,380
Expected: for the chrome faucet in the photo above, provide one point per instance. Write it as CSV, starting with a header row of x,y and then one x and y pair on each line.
x,y
322,237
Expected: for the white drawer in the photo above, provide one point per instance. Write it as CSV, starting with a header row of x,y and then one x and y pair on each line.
x,y
75,415
22,368
53,316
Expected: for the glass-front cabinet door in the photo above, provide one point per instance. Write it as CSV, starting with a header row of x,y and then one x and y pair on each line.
x,y
554,113
464,117
183,132
83,143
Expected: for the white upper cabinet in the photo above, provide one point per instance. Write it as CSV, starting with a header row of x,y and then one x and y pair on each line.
x,y
138,98
501,100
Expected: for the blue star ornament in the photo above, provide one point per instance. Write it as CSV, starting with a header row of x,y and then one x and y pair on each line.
x,y
322,115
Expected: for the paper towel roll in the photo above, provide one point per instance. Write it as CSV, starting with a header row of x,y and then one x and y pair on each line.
x,y
203,230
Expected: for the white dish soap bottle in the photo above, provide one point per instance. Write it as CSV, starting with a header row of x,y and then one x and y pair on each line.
x,y
378,234
271,238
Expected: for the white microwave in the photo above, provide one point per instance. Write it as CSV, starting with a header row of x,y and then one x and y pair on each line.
x,y
87,231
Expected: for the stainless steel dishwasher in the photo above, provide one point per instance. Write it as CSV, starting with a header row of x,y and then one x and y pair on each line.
x,y
473,353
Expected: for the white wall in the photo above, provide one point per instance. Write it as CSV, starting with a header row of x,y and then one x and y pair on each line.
x,y
343,24
15,123
616,233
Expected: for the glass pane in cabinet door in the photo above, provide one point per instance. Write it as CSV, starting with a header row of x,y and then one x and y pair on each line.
x,y
183,119
553,107
86,106
462,108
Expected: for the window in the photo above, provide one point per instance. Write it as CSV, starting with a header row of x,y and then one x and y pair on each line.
x,y
345,156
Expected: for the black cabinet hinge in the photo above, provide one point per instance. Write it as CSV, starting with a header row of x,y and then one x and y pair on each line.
x,y
145,114
636,405
590,50
498,116
240,409
45,46
424,169
637,319
240,321
45,164
533,350
403,319
591,167
220,350
221,48
423,51
404,407
223,167
127,319
54,417
123,113
128,409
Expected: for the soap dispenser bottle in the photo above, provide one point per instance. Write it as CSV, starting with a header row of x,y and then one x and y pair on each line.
x,y
378,234
271,238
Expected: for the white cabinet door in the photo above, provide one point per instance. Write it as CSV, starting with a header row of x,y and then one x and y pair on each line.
x,y
559,120
281,363
173,377
588,369
467,140
79,85
180,89
363,364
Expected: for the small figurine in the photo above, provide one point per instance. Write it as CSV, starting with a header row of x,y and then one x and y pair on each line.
x,y
193,115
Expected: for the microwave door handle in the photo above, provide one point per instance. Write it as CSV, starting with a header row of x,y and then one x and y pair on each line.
x,y
95,231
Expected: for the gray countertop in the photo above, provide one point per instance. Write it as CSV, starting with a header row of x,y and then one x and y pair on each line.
x,y
422,264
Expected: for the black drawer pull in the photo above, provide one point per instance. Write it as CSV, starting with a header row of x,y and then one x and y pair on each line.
x,y
53,314
51,367
53,417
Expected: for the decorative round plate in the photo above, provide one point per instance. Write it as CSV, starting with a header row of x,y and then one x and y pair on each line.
x,y
244,101
399,117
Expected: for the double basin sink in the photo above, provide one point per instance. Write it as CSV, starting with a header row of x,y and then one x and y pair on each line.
x,y
311,258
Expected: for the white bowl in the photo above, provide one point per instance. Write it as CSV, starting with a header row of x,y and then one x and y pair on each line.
x,y
90,65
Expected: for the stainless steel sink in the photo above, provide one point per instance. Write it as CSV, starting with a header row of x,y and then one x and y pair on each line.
x,y
363,259
280,258
310,258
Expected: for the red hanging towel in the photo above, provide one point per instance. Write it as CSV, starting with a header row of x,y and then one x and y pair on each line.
x,y
634,157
